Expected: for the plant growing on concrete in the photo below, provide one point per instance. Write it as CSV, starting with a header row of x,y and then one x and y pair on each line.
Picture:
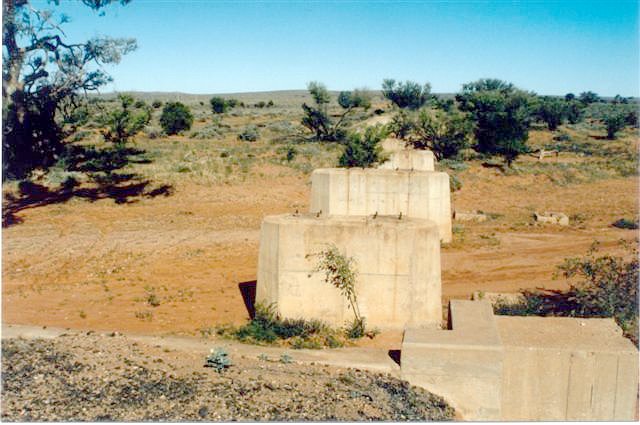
x,y
340,271
218,359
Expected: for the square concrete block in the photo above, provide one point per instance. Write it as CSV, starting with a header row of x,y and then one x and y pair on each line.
x,y
561,368
357,191
398,263
409,160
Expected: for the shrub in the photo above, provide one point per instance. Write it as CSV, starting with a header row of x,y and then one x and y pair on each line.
x,y
552,111
363,150
607,286
218,105
175,118
218,359
249,134
267,328
340,271
444,133
156,104
406,95
502,115
125,121
614,121
401,125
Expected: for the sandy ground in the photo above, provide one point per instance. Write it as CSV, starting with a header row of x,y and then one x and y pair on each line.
x,y
95,265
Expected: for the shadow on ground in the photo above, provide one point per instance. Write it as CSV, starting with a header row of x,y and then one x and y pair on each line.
x,y
104,182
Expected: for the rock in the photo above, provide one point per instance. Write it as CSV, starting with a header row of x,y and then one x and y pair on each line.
x,y
552,217
471,216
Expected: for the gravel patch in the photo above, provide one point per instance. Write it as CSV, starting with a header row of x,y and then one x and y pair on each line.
x,y
101,378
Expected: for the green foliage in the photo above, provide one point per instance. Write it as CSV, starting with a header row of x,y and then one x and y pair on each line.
x,y
408,95
218,359
402,124
156,104
363,150
444,133
574,111
286,359
218,105
340,272
589,97
614,121
175,118
358,98
267,328
316,118
125,121
552,111
44,75
602,286
502,115
319,93
249,134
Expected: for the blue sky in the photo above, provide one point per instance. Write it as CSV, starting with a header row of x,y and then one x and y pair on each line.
x,y
550,47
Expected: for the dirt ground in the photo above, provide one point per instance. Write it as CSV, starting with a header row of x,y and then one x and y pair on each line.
x,y
176,264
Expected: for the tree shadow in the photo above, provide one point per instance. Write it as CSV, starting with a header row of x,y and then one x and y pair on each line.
x,y
105,183
248,292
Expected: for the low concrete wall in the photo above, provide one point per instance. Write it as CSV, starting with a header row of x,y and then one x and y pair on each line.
x,y
409,160
398,263
463,364
525,368
357,191
560,368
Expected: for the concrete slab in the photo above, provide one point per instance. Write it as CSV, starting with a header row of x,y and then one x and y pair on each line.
x,y
398,261
563,368
525,368
462,364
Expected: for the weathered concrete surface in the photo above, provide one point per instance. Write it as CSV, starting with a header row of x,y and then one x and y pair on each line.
x,y
462,364
525,368
398,263
409,160
357,191
560,368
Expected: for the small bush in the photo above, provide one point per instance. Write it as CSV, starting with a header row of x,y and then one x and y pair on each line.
x,y
249,134
218,105
175,118
455,183
607,286
267,328
363,150
156,104
218,359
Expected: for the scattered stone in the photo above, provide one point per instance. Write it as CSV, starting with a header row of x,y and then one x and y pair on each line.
x,y
469,216
552,217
